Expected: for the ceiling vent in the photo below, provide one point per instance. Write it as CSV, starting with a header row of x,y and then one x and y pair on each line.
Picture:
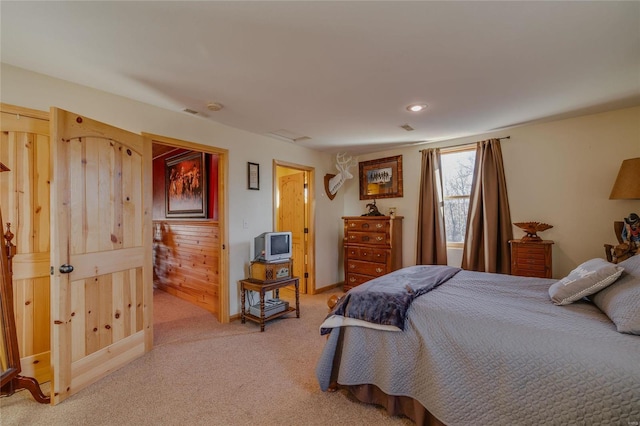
x,y
407,127
288,136
190,111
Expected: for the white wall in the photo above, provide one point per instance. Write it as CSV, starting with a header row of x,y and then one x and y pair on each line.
x,y
559,172
36,91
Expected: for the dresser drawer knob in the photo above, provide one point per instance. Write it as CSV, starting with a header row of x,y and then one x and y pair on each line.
x,y
379,225
378,270
379,238
353,280
352,266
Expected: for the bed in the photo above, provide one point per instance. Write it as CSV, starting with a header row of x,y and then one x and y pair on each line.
x,y
483,348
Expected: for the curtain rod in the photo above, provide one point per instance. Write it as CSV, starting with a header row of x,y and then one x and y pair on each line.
x,y
462,144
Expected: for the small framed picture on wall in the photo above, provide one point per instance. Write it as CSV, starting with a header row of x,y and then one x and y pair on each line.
x,y
253,176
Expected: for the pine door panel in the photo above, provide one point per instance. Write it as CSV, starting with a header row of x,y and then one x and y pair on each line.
x,y
292,218
24,196
102,227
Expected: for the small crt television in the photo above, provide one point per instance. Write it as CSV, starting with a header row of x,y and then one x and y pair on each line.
x,y
272,246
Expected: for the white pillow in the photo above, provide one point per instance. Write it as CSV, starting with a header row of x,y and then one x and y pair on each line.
x,y
621,301
588,278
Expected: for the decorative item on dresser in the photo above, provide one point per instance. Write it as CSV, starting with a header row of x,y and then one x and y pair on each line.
x,y
531,258
372,247
531,229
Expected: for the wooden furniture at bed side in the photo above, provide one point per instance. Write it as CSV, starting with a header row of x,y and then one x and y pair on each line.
x,y
262,288
10,369
608,248
372,247
531,258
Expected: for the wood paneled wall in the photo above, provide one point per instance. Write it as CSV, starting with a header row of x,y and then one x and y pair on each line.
x,y
24,196
186,255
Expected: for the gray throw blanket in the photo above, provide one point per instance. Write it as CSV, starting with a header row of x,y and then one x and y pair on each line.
x,y
385,300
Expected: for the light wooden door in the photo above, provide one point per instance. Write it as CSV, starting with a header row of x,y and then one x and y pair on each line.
x,y
24,197
101,227
291,217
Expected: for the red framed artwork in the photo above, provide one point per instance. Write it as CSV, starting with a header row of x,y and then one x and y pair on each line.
x,y
186,185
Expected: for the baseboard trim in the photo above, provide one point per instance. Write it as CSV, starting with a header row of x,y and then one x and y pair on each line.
x,y
329,287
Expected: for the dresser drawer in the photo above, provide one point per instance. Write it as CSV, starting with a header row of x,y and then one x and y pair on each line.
x,y
369,238
366,268
366,253
537,267
375,225
530,261
353,280
533,252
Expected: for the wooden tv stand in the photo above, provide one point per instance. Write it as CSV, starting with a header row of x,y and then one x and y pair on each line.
x,y
261,287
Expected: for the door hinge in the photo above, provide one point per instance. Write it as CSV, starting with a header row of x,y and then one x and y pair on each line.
x,y
306,185
306,230
306,275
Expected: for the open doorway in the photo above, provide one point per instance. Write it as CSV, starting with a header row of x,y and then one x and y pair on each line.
x,y
293,211
190,256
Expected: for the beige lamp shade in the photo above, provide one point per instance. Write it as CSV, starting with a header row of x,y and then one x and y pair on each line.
x,y
627,186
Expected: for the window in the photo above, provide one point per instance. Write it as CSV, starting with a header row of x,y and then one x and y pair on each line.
x,y
457,176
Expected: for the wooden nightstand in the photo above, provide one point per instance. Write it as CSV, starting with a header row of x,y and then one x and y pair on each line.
x,y
531,258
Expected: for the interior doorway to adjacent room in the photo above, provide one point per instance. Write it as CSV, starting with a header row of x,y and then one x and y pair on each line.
x,y
198,241
293,200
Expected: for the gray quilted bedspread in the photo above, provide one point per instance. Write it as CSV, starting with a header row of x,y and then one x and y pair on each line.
x,y
491,349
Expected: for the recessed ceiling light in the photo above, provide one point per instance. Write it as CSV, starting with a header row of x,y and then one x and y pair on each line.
x,y
214,106
416,107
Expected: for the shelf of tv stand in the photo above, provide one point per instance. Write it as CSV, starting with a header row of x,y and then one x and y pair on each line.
x,y
261,287
254,318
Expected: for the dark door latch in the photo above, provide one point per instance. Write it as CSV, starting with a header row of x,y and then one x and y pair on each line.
x,y
65,269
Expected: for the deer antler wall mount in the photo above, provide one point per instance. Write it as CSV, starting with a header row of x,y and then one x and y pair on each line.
x,y
333,182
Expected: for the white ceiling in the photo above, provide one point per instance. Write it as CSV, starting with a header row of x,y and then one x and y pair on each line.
x,y
341,73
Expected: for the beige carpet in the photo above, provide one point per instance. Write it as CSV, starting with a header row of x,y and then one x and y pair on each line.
x,y
203,373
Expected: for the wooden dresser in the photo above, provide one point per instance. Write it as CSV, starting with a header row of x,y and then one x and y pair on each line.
x,y
531,258
372,247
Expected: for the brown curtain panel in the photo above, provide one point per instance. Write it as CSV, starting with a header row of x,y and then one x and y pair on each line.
x,y
489,230
432,241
